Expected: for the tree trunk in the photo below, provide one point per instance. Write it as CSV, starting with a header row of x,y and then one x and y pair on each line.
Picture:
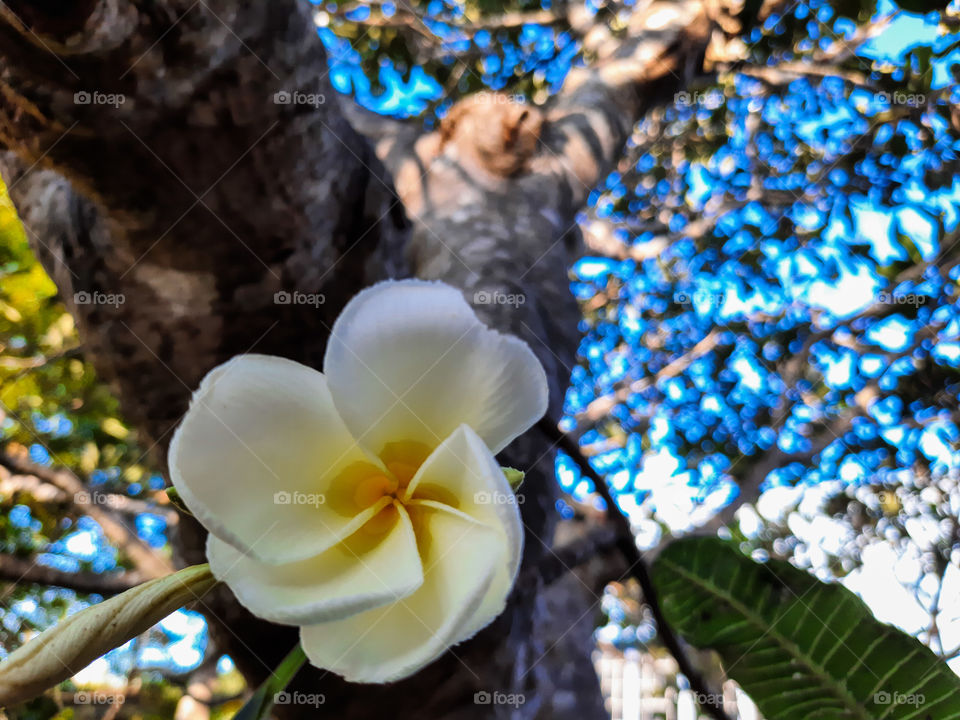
x,y
149,161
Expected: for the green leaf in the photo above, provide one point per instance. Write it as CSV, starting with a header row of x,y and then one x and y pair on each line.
x,y
258,707
801,648
177,501
514,477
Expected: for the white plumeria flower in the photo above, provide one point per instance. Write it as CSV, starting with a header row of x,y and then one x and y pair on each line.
x,y
364,503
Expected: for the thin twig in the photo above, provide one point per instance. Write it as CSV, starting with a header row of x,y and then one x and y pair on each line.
x,y
144,558
25,570
627,544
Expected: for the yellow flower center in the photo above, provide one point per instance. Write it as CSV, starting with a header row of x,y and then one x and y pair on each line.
x,y
363,485
369,491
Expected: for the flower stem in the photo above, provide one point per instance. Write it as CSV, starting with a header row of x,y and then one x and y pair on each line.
x,y
259,705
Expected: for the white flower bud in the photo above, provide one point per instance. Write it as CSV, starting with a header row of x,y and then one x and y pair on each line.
x,y
71,645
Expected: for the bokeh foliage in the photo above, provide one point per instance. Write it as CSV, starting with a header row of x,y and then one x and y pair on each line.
x,y
811,226
791,232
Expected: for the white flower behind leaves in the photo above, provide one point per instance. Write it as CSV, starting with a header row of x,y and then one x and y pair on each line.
x,y
364,503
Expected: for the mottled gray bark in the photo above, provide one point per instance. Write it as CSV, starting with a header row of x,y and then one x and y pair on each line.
x,y
198,198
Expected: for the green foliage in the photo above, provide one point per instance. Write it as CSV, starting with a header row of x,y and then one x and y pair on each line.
x,y
465,47
147,698
514,477
49,395
51,403
42,373
260,704
801,648
744,185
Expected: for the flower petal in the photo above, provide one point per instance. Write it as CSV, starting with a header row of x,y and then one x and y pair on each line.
x,y
364,571
463,473
257,453
394,642
411,361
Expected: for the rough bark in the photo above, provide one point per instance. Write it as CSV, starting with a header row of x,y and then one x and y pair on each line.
x,y
198,198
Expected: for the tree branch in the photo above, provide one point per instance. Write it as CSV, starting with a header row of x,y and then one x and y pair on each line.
x,y
406,17
749,484
142,148
20,570
44,483
600,407
627,544
147,561
600,103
